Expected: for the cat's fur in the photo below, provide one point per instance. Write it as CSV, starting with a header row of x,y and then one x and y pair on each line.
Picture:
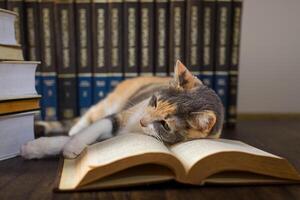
x,y
169,109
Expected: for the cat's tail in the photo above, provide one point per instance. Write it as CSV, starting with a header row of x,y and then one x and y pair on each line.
x,y
53,128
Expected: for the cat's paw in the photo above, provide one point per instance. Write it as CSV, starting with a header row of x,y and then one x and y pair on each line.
x,y
73,149
79,126
33,149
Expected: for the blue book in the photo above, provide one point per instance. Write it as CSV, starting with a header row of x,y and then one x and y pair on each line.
x,y
85,92
100,46
100,87
66,60
48,67
33,43
113,80
49,97
83,24
130,40
222,51
207,25
115,51
39,90
207,78
221,86
234,61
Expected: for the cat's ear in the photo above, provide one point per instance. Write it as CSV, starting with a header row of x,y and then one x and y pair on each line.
x,y
202,121
183,78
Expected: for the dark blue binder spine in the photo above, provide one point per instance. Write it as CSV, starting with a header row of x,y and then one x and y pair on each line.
x,y
85,92
222,47
208,24
100,87
113,80
100,45
83,24
221,86
49,100
48,67
115,56
207,78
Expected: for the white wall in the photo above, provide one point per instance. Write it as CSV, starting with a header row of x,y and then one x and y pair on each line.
x,y
269,80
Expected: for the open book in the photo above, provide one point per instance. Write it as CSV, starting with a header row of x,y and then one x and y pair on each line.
x,y
132,159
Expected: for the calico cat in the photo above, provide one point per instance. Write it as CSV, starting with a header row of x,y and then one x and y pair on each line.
x,y
170,109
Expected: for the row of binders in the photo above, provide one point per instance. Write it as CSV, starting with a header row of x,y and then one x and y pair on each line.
x,y
88,46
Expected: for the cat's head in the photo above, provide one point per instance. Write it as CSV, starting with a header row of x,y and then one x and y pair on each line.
x,y
186,110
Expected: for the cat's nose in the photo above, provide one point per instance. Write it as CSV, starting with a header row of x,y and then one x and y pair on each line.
x,y
142,123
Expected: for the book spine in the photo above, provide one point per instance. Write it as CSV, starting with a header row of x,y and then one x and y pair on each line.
x,y
66,61
146,32
101,55
33,41
222,47
176,32
208,38
48,66
18,6
131,28
83,25
193,36
115,46
234,61
161,29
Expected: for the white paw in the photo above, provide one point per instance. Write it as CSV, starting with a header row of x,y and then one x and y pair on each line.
x,y
73,149
33,149
79,126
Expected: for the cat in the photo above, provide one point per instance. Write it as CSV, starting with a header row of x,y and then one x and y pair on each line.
x,y
169,109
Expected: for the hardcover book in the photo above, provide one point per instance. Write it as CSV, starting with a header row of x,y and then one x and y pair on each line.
x,y
208,42
131,38
83,24
9,46
193,36
20,104
18,7
48,58
161,37
222,48
101,42
115,47
12,137
134,159
7,31
176,32
23,72
234,61
11,52
146,34
33,40
66,60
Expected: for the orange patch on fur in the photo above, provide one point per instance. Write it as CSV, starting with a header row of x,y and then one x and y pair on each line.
x,y
165,108
194,134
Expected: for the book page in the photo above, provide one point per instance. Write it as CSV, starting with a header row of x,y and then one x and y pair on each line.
x,y
123,146
192,151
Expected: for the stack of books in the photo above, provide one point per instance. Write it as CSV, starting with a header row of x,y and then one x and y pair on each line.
x,y
88,46
19,101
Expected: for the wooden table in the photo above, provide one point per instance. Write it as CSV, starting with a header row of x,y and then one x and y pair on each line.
x,y
20,179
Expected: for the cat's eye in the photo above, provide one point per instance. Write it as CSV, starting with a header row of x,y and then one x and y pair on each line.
x,y
165,125
153,101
